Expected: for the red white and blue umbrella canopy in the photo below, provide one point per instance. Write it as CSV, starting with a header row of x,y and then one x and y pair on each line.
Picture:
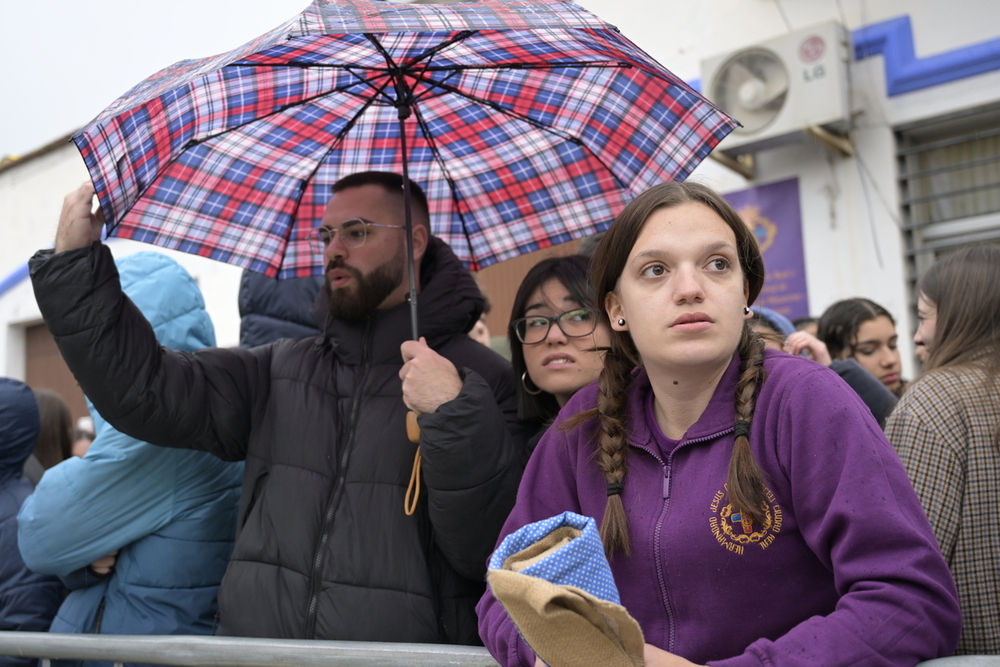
x,y
532,122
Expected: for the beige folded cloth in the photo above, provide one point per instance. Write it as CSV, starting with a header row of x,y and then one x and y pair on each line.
x,y
565,625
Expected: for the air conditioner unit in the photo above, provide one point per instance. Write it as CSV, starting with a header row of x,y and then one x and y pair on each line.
x,y
780,87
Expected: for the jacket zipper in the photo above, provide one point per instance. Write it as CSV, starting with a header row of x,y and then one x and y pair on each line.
x,y
99,617
315,578
657,533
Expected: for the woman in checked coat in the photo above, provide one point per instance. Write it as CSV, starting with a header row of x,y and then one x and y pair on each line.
x,y
946,429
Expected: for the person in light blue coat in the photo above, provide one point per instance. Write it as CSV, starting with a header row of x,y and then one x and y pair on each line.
x,y
163,519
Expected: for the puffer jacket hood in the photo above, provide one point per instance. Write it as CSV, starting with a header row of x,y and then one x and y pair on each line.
x,y
19,426
271,309
454,302
169,298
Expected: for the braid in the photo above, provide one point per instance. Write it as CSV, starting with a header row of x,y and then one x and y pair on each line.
x,y
612,447
745,481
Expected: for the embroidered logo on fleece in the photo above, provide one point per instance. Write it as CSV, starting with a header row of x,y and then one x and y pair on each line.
x,y
736,532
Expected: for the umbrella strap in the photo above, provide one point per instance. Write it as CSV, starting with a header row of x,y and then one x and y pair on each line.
x,y
413,489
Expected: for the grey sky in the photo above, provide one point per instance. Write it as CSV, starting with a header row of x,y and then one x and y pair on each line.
x,y
63,61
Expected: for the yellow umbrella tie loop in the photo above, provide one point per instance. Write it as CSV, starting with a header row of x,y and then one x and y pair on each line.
x,y
413,488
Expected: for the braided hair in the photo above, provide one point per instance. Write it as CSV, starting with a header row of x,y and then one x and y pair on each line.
x,y
745,480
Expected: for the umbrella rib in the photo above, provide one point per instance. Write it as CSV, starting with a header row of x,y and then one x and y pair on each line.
x,y
445,68
339,137
381,49
307,100
496,107
429,137
429,53
562,135
378,91
433,51
395,75
429,92
430,56
350,69
364,108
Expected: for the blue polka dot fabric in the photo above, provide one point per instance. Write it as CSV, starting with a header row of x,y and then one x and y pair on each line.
x,y
581,562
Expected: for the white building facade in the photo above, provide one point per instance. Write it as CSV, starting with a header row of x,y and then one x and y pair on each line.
x,y
923,91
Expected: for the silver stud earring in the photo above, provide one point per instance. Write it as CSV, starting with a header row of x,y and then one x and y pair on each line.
x,y
746,310
621,321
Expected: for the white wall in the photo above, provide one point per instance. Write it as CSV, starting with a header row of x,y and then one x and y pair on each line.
x,y
30,200
681,34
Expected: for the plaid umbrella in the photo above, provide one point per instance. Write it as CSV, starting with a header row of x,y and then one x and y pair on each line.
x,y
528,123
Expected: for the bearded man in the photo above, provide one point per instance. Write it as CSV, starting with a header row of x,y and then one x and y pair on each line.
x,y
324,549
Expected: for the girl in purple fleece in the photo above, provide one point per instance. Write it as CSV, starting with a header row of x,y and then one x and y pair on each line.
x,y
752,510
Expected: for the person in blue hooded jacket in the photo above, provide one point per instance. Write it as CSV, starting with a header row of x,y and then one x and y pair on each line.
x,y
28,600
141,534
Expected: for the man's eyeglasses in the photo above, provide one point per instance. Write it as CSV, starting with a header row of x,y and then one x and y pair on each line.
x,y
353,234
574,323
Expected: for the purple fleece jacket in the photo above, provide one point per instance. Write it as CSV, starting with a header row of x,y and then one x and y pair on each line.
x,y
845,571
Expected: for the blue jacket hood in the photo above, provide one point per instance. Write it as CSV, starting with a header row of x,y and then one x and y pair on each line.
x,y
169,298
19,426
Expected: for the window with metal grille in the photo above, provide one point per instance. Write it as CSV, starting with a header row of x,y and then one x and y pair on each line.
x,y
949,175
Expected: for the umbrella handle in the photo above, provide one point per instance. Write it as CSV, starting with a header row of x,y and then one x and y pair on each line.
x,y
412,427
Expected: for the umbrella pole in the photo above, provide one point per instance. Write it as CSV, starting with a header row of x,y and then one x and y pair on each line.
x,y
412,428
404,113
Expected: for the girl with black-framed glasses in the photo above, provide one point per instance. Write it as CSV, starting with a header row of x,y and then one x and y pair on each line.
x,y
556,342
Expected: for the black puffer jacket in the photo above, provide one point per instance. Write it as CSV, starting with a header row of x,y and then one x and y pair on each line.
x,y
324,549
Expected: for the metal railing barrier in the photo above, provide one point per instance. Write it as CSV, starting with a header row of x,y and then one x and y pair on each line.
x,y
198,651
195,651
964,661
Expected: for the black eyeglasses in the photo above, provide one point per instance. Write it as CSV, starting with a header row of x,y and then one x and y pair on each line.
x,y
353,234
574,323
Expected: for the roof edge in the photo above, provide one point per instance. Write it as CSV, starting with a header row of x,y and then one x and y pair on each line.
x,y
10,161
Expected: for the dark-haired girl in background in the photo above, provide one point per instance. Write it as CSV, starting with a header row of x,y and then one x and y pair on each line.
x,y
752,509
862,330
556,338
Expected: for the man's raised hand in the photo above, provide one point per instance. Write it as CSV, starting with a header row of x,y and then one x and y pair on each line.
x,y
79,224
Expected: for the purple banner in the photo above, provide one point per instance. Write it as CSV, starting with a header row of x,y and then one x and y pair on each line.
x,y
772,212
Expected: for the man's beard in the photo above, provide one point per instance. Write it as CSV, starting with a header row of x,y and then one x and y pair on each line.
x,y
358,300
